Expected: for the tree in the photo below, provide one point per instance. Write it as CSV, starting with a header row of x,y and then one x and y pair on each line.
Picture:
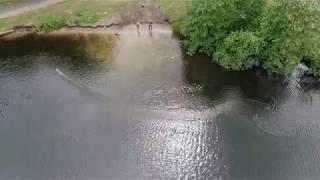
x,y
209,22
290,29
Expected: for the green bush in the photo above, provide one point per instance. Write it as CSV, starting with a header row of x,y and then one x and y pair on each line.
x,y
239,51
52,23
240,34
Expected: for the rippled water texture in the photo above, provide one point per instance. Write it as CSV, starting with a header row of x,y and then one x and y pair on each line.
x,y
96,106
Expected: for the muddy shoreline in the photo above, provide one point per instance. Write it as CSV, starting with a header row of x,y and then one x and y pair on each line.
x,y
112,27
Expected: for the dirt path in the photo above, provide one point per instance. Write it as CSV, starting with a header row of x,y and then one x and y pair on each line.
x,y
26,7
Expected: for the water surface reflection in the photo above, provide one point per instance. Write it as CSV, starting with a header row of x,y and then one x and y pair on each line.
x,y
93,106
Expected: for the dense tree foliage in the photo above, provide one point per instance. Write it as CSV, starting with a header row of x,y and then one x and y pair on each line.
x,y
241,34
238,51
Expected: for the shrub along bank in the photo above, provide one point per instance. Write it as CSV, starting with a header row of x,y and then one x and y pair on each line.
x,y
240,34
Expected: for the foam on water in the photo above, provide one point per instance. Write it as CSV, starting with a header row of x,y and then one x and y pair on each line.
x,y
294,81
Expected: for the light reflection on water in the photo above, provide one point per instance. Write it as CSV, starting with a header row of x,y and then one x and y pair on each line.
x,y
90,106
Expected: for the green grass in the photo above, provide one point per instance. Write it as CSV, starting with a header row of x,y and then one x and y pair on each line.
x,y
7,3
51,23
174,8
85,16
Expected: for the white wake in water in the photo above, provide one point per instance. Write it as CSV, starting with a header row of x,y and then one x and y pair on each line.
x,y
295,79
294,116
63,75
83,89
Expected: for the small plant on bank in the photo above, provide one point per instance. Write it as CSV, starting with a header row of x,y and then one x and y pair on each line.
x,y
52,23
35,29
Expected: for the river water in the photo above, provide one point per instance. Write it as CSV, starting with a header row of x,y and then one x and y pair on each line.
x,y
93,106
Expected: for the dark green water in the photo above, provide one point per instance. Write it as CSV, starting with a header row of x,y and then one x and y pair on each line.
x,y
80,108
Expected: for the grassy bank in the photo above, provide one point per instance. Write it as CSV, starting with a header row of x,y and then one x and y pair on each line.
x,y
87,12
71,11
